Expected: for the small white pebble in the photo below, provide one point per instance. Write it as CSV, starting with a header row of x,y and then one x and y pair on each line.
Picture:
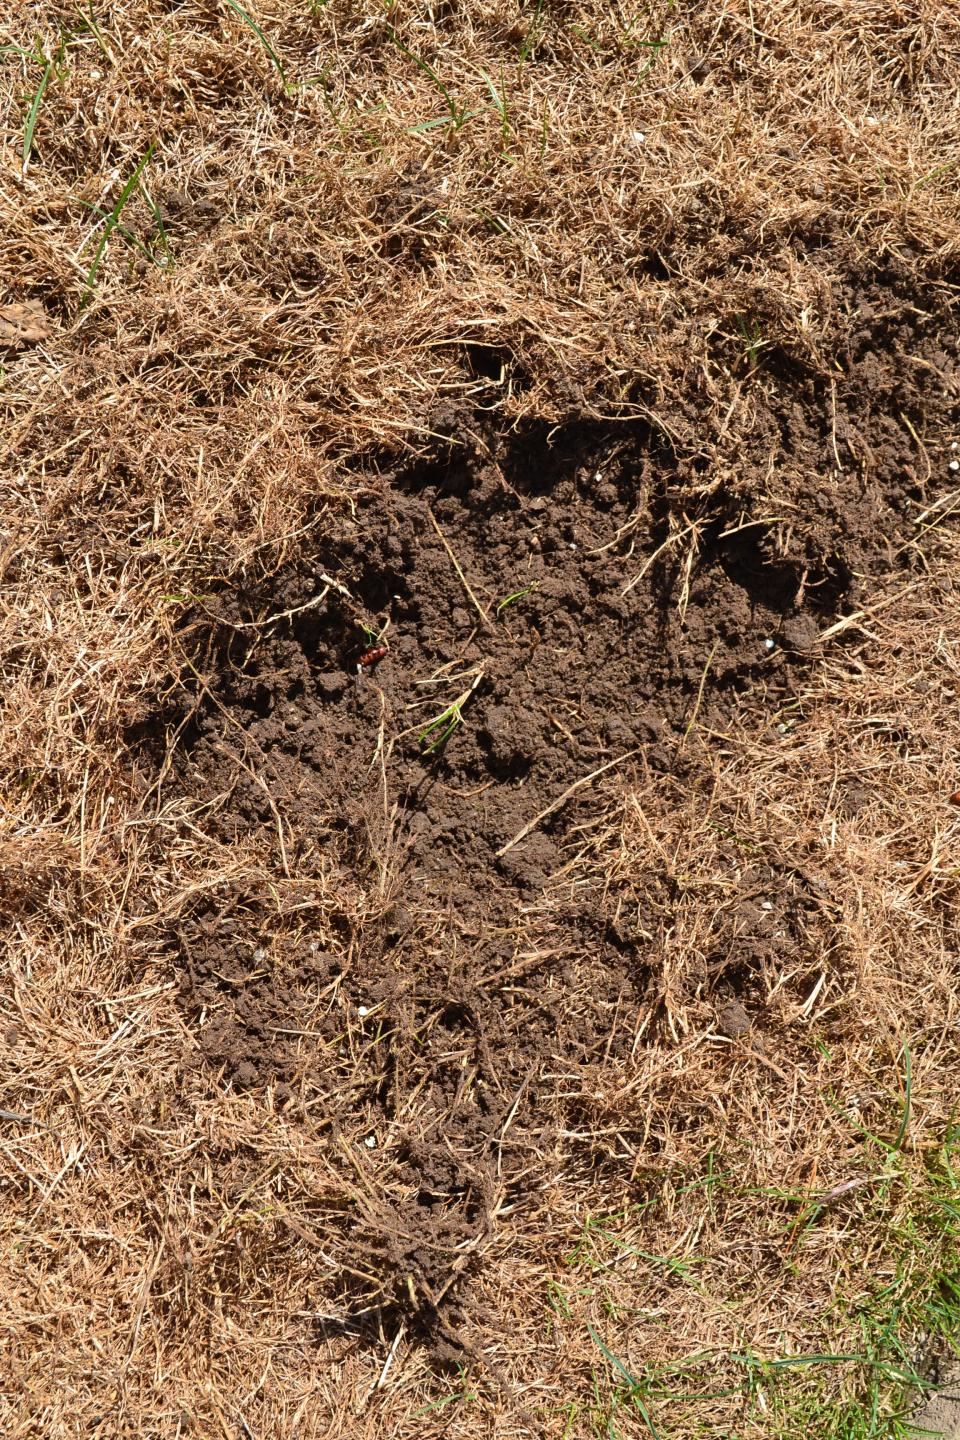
x,y
954,466
371,1142
954,445
782,729
769,644
766,904
259,955
363,1010
638,137
95,75
573,547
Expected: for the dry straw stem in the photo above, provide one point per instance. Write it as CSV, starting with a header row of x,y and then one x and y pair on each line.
x,y
333,274
561,800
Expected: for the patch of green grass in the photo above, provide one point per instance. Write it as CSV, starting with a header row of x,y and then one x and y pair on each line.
x,y
866,1387
751,335
113,219
437,731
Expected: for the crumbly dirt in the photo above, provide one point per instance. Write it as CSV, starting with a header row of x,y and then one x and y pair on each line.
x,y
938,1415
599,367
543,574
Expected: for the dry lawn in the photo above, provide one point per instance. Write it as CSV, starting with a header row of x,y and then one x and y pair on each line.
x,y
340,225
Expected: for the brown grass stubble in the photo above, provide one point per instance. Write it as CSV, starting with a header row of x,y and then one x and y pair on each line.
x,y
162,1274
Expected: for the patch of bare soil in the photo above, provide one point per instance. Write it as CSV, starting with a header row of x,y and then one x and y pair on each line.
x,y
586,597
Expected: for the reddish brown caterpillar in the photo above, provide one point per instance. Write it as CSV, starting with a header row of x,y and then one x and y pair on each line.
x,y
371,656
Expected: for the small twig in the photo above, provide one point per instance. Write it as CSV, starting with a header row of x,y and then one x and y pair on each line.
x,y
511,1114
259,780
858,615
699,700
817,1204
329,584
562,800
19,1119
381,1379
670,540
456,565
920,446
832,1196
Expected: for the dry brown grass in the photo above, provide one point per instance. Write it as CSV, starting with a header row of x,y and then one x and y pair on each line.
x,y
184,427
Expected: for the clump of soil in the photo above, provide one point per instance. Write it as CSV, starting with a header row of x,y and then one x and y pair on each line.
x,y
426,987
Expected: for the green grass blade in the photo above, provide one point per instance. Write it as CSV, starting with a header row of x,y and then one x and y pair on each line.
x,y
434,124
907,1094
511,599
115,214
792,1362
271,52
432,75
636,1399
158,218
90,21
498,103
121,230
34,111
609,1355
449,720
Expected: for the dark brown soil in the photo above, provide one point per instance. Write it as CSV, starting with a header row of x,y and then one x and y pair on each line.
x,y
442,1022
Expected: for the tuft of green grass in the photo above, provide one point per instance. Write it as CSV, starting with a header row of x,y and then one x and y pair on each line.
x,y
30,124
499,99
371,636
751,335
89,22
438,731
113,219
269,49
514,597
532,38
456,116
866,1381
